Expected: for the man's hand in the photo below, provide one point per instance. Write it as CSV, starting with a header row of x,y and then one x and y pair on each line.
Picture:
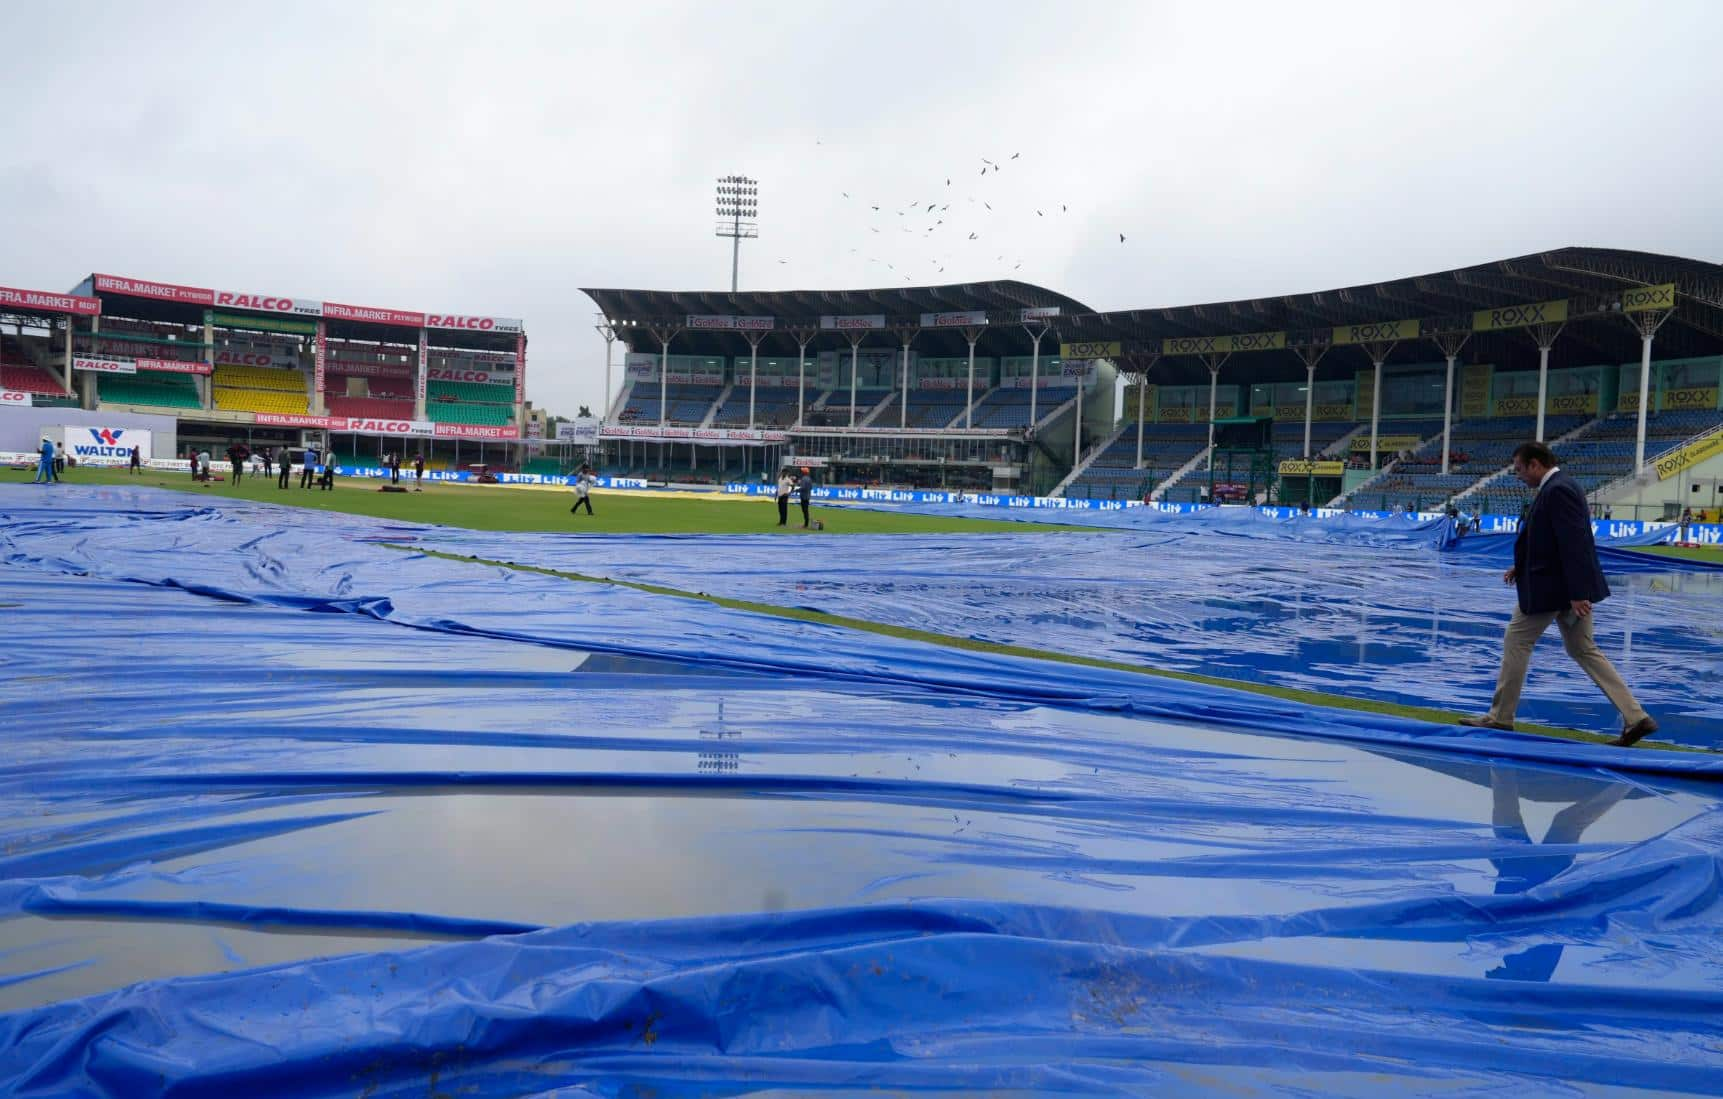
x,y
1508,577
1581,607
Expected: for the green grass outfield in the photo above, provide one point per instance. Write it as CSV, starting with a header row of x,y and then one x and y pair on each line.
x,y
1713,554
517,507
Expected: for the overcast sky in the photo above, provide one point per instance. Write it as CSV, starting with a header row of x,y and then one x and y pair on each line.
x,y
492,158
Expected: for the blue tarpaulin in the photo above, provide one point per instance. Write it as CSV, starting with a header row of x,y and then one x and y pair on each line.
x,y
1362,607
290,812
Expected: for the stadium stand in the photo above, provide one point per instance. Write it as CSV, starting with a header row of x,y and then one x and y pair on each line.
x,y
381,408
935,408
475,403
688,404
154,389
1166,448
25,378
1009,407
260,389
772,408
1601,454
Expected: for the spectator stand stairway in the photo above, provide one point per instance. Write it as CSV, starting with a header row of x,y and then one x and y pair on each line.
x,y
1085,462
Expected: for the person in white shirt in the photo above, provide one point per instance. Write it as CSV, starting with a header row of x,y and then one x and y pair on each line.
x,y
785,487
583,485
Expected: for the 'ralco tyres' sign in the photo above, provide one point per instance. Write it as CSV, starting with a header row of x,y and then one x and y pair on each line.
x,y
473,324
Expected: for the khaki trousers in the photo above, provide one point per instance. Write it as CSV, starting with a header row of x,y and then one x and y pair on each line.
x,y
1523,633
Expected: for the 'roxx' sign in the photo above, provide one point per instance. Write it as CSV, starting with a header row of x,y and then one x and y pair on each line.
x,y
1642,299
1520,316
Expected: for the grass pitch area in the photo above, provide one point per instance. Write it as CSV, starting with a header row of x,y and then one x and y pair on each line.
x,y
523,507
1713,554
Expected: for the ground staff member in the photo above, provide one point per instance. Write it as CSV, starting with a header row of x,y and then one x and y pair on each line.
x,y
309,469
583,490
805,486
1557,576
285,478
785,486
45,464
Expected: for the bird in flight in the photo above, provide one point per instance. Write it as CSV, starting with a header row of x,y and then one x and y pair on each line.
x,y
1063,208
1121,238
846,194
984,171
876,207
1039,214
972,236
989,205
1014,156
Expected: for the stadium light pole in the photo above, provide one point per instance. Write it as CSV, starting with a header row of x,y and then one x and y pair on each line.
x,y
1451,343
971,334
1647,323
1214,363
1035,334
855,352
738,205
803,338
608,331
753,339
1545,335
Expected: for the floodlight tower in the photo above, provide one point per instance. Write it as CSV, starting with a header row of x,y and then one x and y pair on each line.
x,y
738,205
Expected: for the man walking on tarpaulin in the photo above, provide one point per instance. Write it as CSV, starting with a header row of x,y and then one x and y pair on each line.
x,y
1557,576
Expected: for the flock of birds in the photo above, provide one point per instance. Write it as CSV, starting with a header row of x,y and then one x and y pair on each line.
x,y
933,219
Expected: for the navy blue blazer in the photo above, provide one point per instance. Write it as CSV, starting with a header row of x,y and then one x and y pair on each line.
x,y
1555,557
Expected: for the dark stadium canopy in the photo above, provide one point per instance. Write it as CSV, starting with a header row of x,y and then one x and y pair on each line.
x,y
1591,278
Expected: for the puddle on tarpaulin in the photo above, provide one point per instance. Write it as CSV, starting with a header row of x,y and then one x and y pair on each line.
x,y
547,854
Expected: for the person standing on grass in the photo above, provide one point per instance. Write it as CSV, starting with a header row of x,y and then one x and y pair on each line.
x,y
308,470
285,478
136,463
327,483
45,464
394,468
203,463
268,462
583,490
419,472
1557,577
785,486
805,487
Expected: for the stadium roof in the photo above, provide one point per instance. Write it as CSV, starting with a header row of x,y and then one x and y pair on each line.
x,y
1591,280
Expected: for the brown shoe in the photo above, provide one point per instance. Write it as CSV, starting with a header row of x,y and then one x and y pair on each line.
x,y
1636,732
1487,723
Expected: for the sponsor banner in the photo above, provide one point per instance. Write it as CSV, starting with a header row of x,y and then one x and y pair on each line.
x,y
1385,444
1569,404
1690,455
284,325
268,303
520,368
367,369
505,432
1076,368
104,366
582,431
975,318
871,322
163,291
718,434
1643,299
1048,379
455,359
756,324
1091,349
1300,467
1520,316
1224,345
1287,413
14,398
1332,413
509,325
114,443
457,374
1697,396
1629,400
373,426
173,366
11,296
1043,313
1364,386
712,322
1377,332
1177,414
946,383
1517,405
320,361
232,356
1475,383
402,318
422,375
289,419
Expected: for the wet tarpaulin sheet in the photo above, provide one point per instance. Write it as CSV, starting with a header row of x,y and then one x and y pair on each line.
x,y
326,819
1330,606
